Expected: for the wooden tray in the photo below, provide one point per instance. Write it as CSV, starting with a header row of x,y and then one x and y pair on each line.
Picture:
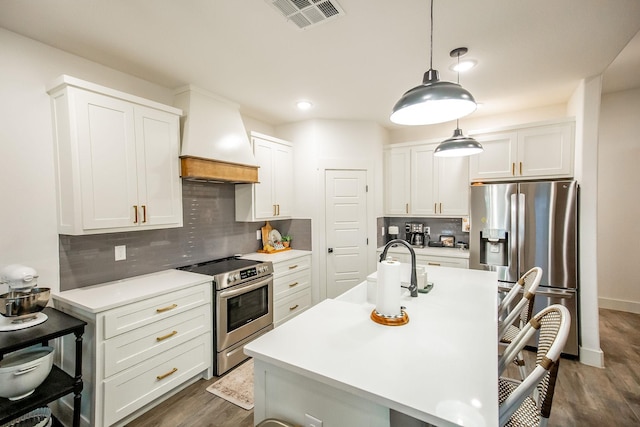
x,y
262,251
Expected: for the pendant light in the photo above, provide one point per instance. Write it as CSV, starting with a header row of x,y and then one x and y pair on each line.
x,y
458,145
433,101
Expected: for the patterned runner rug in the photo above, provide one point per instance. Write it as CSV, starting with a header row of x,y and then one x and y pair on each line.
x,y
236,386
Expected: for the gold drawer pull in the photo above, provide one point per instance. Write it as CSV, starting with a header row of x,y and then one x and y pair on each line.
x,y
293,284
167,308
163,376
164,337
294,307
433,263
291,267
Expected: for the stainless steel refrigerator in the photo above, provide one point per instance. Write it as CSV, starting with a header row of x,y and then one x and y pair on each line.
x,y
517,226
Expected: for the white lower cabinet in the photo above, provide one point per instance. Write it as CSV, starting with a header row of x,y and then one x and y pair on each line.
x,y
292,288
447,259
139,353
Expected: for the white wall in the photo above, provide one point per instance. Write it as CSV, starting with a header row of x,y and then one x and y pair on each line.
x,y
28,214
618,201
333,144
584,105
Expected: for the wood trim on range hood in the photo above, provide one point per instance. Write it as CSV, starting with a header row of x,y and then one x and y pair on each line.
x,y
199,169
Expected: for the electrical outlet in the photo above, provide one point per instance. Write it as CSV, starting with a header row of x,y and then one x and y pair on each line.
x,y
258,234
311,421
382,231
427,230
120,253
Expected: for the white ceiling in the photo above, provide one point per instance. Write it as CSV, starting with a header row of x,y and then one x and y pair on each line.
x,y
355,67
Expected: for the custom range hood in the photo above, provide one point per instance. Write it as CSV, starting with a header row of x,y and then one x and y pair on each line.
x,y
215,145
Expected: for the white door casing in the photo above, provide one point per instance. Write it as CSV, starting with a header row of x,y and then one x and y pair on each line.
x,y
346,229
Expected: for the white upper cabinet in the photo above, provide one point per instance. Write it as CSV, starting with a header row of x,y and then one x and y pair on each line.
x,y
419,184
117,165
534,151
272,196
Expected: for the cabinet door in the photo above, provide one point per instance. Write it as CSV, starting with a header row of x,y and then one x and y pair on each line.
x,y
452,185
159,186
498,158
545,151
397,181
283,179
264,203
423,176
107,158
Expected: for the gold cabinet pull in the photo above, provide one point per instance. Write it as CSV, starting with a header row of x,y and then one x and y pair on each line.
x,y
135,214
165,375
440,207
274,210
144,213
520,168
294,307
513,169
291,267
278,209
433,263
167,308
435,208
406,208
164,337
293,284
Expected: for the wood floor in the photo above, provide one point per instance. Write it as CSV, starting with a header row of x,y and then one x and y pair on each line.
x,y
585,396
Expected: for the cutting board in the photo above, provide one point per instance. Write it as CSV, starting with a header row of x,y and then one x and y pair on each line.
x,y
266,230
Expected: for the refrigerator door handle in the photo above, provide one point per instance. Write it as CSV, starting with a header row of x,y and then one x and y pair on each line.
x,y
521,230
513,243
553,293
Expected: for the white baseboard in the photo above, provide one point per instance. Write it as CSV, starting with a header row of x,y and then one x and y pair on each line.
x,y
592,357
619,305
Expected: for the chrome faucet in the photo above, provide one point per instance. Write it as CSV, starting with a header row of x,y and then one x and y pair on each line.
x,y
413,286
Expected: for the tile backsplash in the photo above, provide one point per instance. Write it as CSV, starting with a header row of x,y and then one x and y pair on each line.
x,y
209,232
439,226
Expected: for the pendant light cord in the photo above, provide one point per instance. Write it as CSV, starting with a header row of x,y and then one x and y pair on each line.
x,y
431,45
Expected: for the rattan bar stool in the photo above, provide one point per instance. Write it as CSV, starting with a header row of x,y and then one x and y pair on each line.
x,y
528,402
509,328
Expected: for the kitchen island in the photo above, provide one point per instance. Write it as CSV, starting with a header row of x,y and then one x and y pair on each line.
x,y
333,363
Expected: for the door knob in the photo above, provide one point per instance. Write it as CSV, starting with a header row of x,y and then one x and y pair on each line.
x,y
330,250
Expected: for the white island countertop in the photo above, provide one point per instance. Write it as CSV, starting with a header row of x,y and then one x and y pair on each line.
x,y
441,367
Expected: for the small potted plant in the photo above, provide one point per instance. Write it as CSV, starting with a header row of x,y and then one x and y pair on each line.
x,y
286,241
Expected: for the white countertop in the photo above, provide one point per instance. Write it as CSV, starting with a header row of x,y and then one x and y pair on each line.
x,y
431,251
277,256
105,296
441,367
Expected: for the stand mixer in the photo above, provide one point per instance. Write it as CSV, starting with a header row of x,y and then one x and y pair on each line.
x,y
21,306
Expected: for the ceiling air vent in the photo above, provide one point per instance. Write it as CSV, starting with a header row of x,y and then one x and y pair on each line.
x,y
307,13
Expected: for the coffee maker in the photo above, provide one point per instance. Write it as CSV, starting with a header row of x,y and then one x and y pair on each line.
x,y
415,234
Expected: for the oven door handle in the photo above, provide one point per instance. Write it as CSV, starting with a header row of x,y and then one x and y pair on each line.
x,y
244,288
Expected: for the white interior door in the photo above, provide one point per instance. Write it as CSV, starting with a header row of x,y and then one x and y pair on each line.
x,y
346,229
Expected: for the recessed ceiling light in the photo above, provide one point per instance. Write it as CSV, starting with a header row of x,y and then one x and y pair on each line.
x,y
304,105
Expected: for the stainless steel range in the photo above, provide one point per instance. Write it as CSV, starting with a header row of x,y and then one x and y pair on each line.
x,y
243,308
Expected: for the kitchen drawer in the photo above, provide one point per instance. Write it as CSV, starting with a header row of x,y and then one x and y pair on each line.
x,y
291,306
285,267
133,388
125,350
442,261
141,313
291,283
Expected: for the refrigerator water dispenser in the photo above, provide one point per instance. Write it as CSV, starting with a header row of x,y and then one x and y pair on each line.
x,y
493,246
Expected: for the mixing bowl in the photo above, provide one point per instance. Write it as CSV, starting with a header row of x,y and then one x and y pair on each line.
x,y
24,370
19,303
